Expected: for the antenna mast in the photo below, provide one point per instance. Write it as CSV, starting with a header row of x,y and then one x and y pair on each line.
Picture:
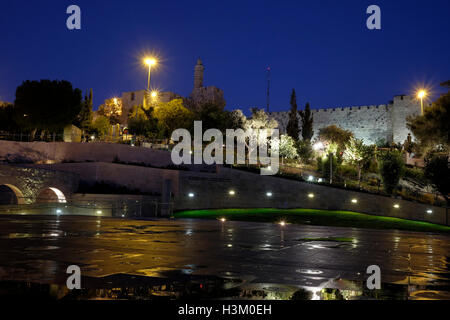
x,y
268,89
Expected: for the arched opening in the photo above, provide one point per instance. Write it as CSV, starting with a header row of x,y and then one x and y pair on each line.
x,y
10,195
51,195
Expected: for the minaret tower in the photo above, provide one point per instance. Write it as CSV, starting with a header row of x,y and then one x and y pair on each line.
x,y
198,74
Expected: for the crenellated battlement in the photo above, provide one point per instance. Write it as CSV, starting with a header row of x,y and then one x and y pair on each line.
x,y
383,107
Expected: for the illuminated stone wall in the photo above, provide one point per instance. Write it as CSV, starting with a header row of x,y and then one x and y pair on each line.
x,y
212,191
370,123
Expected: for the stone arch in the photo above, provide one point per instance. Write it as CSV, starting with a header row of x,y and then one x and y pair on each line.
x,y
10,195
51,194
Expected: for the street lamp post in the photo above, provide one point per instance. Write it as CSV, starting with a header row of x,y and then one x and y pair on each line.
x,y
422,94
150,62
331,166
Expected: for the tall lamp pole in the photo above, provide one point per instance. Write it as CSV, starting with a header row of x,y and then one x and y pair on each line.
x,y
421,94
150,62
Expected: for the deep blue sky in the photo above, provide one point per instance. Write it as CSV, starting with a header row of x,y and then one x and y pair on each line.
x,y
321,48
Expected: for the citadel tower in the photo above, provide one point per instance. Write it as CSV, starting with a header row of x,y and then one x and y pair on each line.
x,y
198,74
200,95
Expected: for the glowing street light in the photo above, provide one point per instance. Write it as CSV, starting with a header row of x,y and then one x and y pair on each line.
x,y
150,62
421,94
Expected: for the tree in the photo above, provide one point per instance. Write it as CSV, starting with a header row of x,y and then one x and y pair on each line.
x,y
391,168
213,116
325,166
252,126
84,118
307,123
260,120
305,150
292,127
437,171
112,109
358,154
433,129
173,115
142,122
101,126
7,118
287,149
335,138
47,105
236,119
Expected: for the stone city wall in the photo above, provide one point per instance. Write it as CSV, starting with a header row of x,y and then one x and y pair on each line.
x,y
370,123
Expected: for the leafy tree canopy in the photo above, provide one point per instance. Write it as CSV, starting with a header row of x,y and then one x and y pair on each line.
x,y
7,118
437,171
287,148
47,105
432,130
213,116
173,115
142,122
335,138
101,125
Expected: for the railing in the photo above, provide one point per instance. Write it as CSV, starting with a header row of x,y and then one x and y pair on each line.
x,y
126,208
128,139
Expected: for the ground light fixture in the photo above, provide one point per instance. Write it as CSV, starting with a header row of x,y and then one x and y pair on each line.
x,y
311,195
396,206
354,200
191,195
269,194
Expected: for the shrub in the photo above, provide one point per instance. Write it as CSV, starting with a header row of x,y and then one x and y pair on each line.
x,y
391,167
348,171
305,151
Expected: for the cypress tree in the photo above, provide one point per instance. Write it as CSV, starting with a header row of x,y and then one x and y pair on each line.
x,y
307,123
292,128
84,118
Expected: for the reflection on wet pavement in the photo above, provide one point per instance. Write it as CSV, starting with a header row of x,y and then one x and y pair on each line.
x,y
147,259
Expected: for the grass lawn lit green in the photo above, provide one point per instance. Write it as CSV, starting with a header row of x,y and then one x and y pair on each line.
x,y
315,217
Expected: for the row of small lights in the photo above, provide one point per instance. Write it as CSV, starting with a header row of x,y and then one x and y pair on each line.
x,y
310,195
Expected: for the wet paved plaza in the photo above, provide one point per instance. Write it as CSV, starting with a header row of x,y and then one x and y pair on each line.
x,y
256,260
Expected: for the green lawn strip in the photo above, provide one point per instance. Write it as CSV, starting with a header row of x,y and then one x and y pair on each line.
x,y
315,217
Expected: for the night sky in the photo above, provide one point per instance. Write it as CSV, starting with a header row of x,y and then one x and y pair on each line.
x,y
321,48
